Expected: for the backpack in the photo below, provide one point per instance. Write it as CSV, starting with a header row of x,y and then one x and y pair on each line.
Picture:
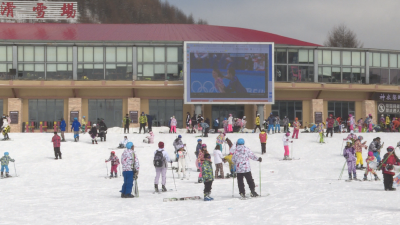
x,y
158,159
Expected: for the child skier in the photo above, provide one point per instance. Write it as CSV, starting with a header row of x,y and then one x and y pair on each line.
x,y
225,125
219,167
114,164
286,141
75,126
83,123
232,167
208,176
389,160
56,144
5,128
93,133
200,160
221,140
5,160
263,140
123,143
370,169
352,137
230,122
181,162
277,124
173,125
296,126
149,139
375,148
358,147
258,122
321,132
243,125
198,149
349,154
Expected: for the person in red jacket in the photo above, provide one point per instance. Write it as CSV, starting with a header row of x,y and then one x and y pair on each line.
x,y
389,160
329,124
263,140
56,144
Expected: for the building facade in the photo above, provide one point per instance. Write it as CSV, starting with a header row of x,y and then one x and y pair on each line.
x,y
107,71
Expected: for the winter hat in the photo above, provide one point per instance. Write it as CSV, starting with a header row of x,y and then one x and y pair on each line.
x,y
230,114
350,115
288,134
390,149
330,115
258,114
129,145
224,118
161,144
112,152
199,140
179,136
244,117
349,142
75,118
370,153
94,124
270,114
351,132
6,153
203,146
84,116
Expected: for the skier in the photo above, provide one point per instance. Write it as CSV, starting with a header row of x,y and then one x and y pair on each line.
x,y
225,125
149,122
329,124
194,123
257,123
358,147
375,148
351,122
5,128
243,125
232,167
277,124
335,125
221,140
218,163
177,143
352,137
216,125
208,176
130,167
188,122
387,122
142,121
230,122
93,133
63,126
102,130
241,158
389,160
181,162
271,121
370,160
123,143
296,126
161,158
169,125
83,123
205,127
349,154
320,130
5,160
114,164
286,141
200,160
173,125
149,139
360,124
75,126
199,120
126,121
382,121
263,140
56,144
198,149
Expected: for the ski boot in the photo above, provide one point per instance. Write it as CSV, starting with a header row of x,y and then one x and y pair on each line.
x,y
243,196
228,175
164,189
1,174
355,176
350,178
200,180
129,196
198,170
357,167
111,175
60,156
253,194
115,175
156,188
365,177
92,142
376,177
362,167
207,197
7,175
95,142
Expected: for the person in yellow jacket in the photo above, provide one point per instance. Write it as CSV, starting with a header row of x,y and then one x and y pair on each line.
x,y
257,123
232,166
142,121
83,124
387,121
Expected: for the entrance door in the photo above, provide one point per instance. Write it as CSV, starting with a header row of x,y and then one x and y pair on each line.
x,y
223,111
108,109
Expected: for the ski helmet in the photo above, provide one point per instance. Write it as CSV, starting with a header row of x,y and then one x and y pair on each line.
x,y
112,152
240,141
199,140
129,145
203,146
349,142
390,149
94,124
287,134
6,153
360,138
370,153
179,136
75,118
258,114
244,117
84,116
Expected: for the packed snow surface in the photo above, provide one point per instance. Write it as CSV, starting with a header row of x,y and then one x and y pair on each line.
x,y
74,190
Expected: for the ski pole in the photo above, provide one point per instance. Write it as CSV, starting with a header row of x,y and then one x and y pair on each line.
x,y
233,184
107,170
136,189
119,170
173,176
260,176
341,148
15,170
340,177
291,153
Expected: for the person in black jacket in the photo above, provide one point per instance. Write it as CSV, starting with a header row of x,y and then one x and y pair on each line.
x,y
149,122
188,122
102,130
93,133
194,123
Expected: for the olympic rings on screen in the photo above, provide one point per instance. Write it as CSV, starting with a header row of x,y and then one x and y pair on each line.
x,y
206,87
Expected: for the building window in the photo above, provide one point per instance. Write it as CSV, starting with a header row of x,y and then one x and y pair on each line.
x,y
341,109
161,110
291,109
280,55
281,73
394,76
5,62
329,74
49,110
301,73
1,107
108,109
379,76
31,63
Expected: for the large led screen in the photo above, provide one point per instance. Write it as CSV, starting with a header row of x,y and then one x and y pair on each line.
x,y
227,73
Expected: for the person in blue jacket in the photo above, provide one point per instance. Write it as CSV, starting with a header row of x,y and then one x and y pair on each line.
x,y
76,126
312,128
63,125
271,120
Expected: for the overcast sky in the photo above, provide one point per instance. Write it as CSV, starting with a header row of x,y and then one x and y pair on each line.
x,y
376,23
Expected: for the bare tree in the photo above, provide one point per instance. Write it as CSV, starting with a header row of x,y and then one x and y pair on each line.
x,y
342,36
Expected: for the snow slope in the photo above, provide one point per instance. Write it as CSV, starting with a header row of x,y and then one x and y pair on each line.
x,y
73,190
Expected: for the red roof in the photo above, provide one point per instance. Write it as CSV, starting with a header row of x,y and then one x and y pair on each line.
x,y
138,32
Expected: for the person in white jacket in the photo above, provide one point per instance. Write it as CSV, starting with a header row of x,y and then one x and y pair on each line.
x,y
5,128
230,122
163,169
241,157
123,143
219,167
181,162
286,141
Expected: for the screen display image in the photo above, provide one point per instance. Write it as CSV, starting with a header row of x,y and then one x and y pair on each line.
x,y
227,73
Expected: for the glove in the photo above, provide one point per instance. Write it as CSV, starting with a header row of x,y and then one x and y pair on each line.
x,y
259,159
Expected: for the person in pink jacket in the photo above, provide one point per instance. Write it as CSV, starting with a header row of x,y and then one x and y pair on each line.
x,y
296,126
114,164
173,125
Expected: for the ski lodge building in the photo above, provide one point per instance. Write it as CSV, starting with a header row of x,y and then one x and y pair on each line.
x,y
109,70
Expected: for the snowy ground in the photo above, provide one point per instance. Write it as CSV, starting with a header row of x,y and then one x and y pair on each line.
x,y
74,191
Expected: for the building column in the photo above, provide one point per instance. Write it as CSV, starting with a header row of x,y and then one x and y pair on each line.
x,y
134,106
260,110
74,104
369,107
197,109
15,107
317,105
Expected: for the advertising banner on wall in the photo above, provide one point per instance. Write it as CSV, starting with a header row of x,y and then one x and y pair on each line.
x,y
228,73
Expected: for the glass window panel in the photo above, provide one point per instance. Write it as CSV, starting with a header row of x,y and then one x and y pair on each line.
x,y
20,67
139,54
362,58
310,55
180,54
393,60
327,71
159,54
319,56
327,57
293,56
111,66
346,58
129,52
172,69
301,73
398,61
385,60
148,54
28,54
374,75
140,68
87,66
384,76
51,54
3,68
148,70
39,67
88,54
110,54
62,67
121,54
394,76
98,66
280,55
303,56
69,67
62,54
80,54
29,67
3,53
335,57
20,53
172,54
376,59
9,53
98,54
51,67
159,68
69,54
280,73
356,58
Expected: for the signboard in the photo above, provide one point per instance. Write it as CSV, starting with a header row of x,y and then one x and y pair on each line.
x,y
387,97
14,117
72,115
43,10
228,73
133,116
318,117
388,108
